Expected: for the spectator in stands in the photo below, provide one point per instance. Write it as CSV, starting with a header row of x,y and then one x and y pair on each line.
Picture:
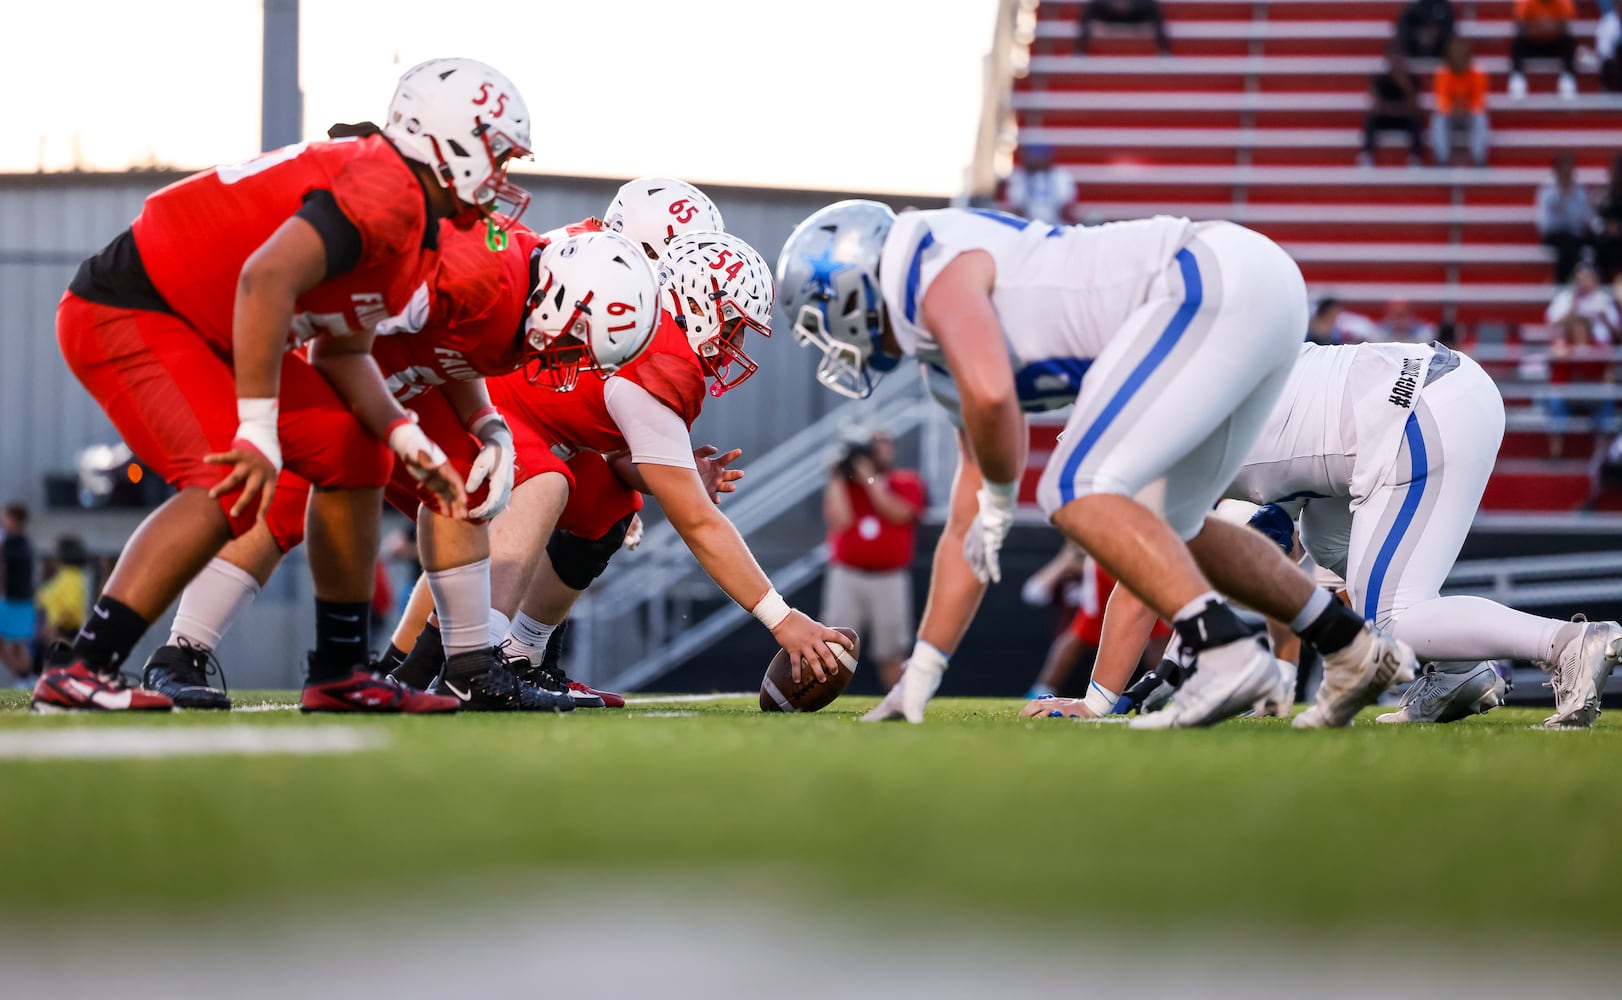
x,y
1123,12
1608,226
1037,189
1564,218
872,511
1576,358
1394,107
1333,323
1543,31
17,601
1401,325
1425,27
1587,298
1607,34
1461,104
64,597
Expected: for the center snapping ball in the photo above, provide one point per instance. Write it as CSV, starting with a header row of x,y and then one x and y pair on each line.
x,y
779,693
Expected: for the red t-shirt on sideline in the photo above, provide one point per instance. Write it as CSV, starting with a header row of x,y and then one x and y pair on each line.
x,y
871,543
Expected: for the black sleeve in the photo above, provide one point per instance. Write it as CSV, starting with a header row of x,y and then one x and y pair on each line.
x,y
341,237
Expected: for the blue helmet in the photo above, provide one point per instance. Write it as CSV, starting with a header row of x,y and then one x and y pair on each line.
x,y
828,284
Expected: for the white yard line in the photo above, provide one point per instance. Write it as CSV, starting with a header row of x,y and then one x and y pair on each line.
x,y
98,743
679,699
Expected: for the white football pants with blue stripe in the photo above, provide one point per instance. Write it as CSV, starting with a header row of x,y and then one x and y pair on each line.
x,y
1395,546
1169,410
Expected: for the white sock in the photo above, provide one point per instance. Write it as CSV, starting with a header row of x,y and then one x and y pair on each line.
x,y
1474,628
211,602
462,600
498,627
1316,605
528,636
1194,607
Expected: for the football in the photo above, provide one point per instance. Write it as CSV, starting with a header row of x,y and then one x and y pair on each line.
x,y
779,693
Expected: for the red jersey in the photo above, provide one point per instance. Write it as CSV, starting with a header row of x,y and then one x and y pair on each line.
x,y
668,370
195,235
468,323
870,543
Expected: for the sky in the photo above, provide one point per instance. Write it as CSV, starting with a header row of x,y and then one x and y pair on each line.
x,y
875,95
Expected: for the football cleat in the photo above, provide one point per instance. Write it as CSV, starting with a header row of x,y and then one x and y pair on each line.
x,y
549,675
364,691
423,663
1280,701
181,672
482,681
74,687
1355,677
1222,682
1579,672
1441,696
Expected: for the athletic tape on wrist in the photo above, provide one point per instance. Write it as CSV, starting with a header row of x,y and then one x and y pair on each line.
x,y
1100,699
771,609
256,424
926,653
1003,494
413,446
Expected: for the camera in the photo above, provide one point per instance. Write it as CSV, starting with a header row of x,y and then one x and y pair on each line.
x,y
847,459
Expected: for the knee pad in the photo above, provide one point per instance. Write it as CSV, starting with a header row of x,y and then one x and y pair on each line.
x,y
578,561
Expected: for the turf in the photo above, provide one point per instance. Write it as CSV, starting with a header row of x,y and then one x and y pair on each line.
x,y
1481,825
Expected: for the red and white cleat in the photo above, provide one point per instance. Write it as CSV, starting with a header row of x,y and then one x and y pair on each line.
x,y
75,687
582,693
368,692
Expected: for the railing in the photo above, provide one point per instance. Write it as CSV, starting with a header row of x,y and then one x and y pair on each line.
x,y
639,622
1541,581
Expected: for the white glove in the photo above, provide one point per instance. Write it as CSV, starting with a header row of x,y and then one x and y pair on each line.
x,y
495,463
420,455
920,679
633,534
983,544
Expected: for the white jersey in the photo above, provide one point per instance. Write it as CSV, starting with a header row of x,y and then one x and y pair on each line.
x,y
1061,293
1336,429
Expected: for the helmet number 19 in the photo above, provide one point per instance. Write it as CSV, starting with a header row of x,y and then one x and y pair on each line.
x,y
621,309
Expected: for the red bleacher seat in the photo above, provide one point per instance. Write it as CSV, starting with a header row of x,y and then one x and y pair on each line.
x,y
1257,117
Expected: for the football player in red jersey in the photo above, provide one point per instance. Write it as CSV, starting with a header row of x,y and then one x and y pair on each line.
x,y
474,323
714,287
182,326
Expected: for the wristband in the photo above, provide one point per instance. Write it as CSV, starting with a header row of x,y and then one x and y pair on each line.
x,y
928,655
256,425
482,417
1002,494
413,446
771,609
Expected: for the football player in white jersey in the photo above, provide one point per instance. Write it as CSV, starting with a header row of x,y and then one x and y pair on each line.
x,y
1382,451
1173,339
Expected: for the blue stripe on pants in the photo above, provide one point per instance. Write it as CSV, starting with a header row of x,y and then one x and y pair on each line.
x,y
1405,516
1193,295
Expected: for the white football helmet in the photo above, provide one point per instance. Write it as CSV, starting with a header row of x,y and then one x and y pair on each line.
x,y
593,307
652,211
717,287
828,273
467,121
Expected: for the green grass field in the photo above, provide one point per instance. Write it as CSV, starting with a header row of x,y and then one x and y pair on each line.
x,y
1482,825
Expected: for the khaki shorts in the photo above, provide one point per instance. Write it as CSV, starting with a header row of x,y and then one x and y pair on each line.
x,y
877,605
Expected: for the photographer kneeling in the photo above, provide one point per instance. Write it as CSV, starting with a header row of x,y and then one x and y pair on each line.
x,y
872,511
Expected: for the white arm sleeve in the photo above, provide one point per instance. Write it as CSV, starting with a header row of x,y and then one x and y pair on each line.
x,y
654,431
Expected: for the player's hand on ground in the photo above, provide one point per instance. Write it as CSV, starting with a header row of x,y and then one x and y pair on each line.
x,y
807,642
1041,708
633,533
250,470
982,546
712,469
889,709
495,466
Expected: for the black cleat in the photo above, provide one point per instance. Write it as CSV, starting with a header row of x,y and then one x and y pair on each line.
x,y
549,677
181,672
484,682
424,662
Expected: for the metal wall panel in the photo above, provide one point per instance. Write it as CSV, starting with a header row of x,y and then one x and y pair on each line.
x,y
48,222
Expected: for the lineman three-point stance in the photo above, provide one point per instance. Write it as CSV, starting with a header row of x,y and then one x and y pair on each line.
x,y
1172,338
